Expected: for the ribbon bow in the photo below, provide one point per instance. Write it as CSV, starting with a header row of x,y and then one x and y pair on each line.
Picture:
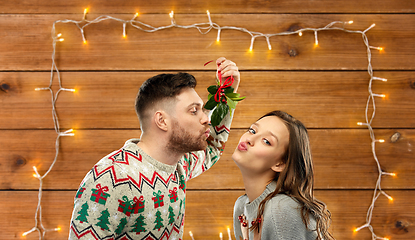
x,y
138,199
105,189
172,191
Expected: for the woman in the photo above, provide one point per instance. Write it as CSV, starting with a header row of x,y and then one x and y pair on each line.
x,y
275,161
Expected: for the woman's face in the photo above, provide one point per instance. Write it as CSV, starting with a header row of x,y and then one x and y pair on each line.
x,y
262,147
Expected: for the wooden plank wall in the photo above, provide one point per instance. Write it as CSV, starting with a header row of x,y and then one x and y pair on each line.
x,y
326,87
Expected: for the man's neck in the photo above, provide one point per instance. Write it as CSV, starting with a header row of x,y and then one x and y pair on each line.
x,y
158,150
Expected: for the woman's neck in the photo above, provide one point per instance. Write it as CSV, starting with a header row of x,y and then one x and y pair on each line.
x,y
255,185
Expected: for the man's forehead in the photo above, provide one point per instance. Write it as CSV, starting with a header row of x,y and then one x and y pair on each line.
x,y
189,97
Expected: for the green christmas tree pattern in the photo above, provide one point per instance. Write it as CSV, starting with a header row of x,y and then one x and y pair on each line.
x,y
121,226
171,215
139,224
83,213
103,223
180,209
158,221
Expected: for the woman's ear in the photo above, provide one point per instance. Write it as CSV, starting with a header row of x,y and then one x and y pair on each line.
x,y
278,167
160,118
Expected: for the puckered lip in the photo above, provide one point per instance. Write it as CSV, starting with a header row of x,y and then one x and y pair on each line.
x,y
242,146
207,132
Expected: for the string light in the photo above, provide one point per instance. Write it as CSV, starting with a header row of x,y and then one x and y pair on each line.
x,y
220,236
136,15
124,35
38,214
204,28
315,38
191,235
229,233
371,99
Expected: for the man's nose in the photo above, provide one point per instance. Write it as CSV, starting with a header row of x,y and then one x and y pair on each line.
x,y
205,119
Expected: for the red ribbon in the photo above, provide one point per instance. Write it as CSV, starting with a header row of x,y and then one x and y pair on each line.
x,y
138,199
174,190
104,189
227,83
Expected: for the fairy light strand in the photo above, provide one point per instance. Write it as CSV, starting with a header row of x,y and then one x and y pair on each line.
x,y
205,28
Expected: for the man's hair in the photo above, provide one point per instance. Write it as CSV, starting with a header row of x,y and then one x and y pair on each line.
x,y
160,88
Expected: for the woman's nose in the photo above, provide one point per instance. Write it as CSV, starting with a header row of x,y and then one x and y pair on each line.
x,y
250,141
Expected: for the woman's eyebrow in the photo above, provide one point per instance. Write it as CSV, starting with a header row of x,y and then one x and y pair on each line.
x,y
272,134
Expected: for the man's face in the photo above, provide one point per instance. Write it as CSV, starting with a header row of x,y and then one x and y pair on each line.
x,y
189,125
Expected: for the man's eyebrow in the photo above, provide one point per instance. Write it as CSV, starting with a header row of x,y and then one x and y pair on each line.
x,y
195,104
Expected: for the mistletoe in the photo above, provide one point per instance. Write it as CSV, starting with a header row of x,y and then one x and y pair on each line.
x,y
222,97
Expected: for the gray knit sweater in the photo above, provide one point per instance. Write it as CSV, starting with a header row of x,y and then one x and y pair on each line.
x,y
281,220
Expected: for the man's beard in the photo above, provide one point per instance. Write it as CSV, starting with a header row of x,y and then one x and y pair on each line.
x,y
181,141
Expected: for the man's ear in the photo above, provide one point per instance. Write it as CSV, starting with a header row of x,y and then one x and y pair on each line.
x,y
161,120
278,167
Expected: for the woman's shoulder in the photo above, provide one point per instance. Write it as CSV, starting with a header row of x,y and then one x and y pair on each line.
x,y
283,206
241,200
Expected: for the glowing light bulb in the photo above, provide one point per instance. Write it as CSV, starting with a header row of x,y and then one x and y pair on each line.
x,y
393,174
58,229
85,42
136,15
220,236
37,89
355,230
381,140
85,11
191,235
250,49
208,13
300,34
390,198
124,34
360,123
61,39
171,14
59,34
350,22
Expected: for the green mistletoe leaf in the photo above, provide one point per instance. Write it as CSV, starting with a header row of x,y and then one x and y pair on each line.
x,y
228,90
231,103
238,99
233,95
210,104
219,114
213,89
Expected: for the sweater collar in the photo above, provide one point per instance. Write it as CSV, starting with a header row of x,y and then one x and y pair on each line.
x,y
253,206
132,146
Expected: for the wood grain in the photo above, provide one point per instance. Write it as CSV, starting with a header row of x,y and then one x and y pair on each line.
x,y
342,158
106,99
210,212
215,6
26,43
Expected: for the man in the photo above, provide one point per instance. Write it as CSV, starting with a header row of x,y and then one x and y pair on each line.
x,y
139,191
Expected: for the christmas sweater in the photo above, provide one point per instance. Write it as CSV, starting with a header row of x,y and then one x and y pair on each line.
x,y
130,195
281,220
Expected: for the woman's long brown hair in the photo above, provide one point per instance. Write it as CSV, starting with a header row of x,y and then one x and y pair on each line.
x,y
297,178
